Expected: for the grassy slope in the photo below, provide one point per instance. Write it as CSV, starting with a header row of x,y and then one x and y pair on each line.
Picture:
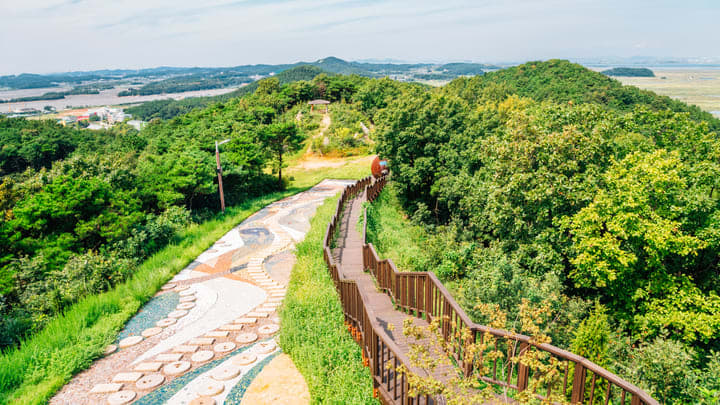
x,y
393,234
313,331
69,343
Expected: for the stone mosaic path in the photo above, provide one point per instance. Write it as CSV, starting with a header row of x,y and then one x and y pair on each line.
x,y
207,335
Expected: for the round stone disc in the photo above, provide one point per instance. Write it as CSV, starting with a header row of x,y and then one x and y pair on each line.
x,y
178,313
151,332
203,401
268,329
186,305
149,381
176,367
121,397
245,338
244,359
210,388
110,349
165,322
224,347
182,288
186,292
130,341
202,355
168,286
189,298
265,347
227,372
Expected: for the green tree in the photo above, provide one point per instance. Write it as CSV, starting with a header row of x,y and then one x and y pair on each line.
x,y
634,225
268,86
281,138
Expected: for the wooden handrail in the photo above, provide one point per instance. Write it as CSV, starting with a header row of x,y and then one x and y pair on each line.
x,y
423,295
377,346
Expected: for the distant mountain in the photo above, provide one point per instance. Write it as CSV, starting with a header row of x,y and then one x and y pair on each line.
x,y
330,64
166,109
301,72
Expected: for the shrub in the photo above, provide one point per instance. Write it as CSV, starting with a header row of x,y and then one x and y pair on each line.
x,y
592,337
91,273
664,368
155,233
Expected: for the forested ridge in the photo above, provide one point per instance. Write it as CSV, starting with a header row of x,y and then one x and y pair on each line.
x,y
555,184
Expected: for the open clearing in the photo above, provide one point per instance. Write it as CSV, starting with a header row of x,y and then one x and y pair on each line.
x,y
700,87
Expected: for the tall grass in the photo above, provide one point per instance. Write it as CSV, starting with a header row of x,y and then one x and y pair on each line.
x,y
313,331
394,235
69,343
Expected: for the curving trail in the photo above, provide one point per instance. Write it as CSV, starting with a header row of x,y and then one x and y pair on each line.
x,y
207,336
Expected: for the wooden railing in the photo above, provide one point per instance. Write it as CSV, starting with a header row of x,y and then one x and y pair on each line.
x,y
421,294
377,346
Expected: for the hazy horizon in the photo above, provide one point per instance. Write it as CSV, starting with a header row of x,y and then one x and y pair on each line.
x,y
79,35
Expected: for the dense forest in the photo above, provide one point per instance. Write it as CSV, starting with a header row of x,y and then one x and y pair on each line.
x,y
556,184
629,72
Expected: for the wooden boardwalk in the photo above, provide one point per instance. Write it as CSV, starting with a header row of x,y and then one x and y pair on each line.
x,y
383,296
348,253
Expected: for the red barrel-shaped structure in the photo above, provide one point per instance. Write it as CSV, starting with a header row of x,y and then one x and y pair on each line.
x,y
379,167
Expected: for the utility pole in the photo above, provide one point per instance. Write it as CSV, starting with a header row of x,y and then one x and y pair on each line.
x,y
219,173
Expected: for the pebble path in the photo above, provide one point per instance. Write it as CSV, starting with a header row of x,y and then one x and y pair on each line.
x,y
210,330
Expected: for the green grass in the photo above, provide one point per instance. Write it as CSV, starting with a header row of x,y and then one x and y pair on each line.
x,y
70,342
313,331
356,168
394,235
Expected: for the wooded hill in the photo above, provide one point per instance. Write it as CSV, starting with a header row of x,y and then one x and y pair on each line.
x,y
551,183
629,72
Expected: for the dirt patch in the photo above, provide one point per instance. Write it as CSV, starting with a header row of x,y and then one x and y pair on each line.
x,y
265,388
317,162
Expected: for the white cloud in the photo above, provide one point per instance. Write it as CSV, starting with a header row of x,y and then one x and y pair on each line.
x,y
59,35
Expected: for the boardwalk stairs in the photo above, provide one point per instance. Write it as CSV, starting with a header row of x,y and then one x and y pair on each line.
x,y
375,295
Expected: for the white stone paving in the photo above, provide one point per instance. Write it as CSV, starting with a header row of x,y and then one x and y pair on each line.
x,y
189,392
219,302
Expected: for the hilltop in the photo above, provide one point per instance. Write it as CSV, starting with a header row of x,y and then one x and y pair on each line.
x,y
565,82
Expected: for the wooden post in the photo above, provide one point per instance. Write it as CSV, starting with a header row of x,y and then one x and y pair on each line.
x,y
219,174
523,370
467,360
428,299
578,389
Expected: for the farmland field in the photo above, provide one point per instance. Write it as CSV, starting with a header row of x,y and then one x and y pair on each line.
x,y
700,87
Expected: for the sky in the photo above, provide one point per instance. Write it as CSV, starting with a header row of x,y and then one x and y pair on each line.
x,y
43,36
